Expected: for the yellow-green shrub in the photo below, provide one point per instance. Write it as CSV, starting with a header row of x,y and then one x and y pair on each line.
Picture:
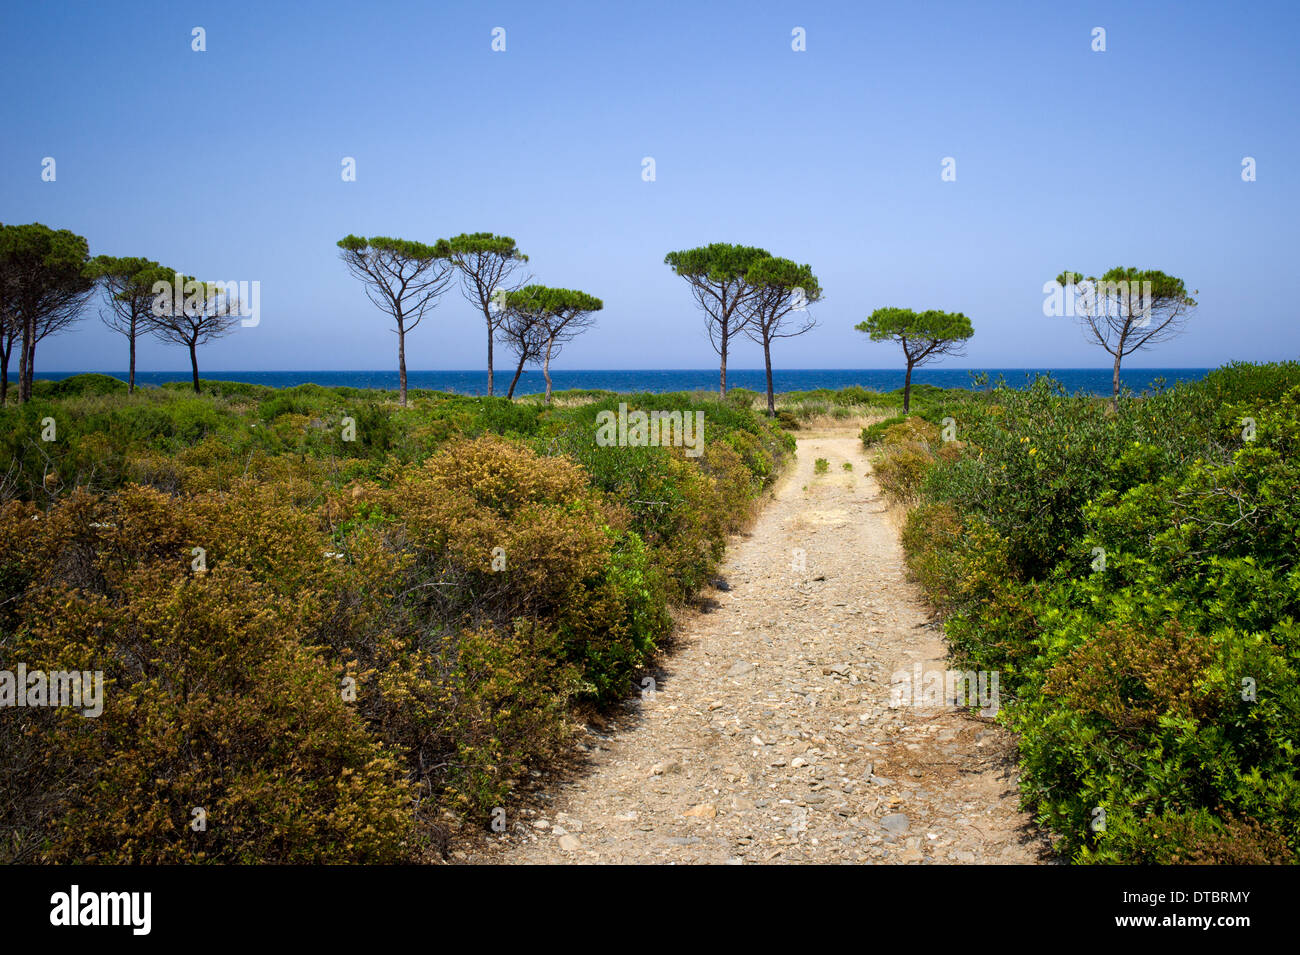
x,y
328,563
911,430
901,469
213,700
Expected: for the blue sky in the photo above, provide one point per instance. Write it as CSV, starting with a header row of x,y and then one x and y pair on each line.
x,y
226,163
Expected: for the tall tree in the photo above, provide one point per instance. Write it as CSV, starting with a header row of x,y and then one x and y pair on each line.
x,y
128,285
402,278
781,290
207,313
925,337
1127,310
717,275
486,264
45,281
556,316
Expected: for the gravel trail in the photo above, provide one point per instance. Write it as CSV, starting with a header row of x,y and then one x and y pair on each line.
x,y
769,736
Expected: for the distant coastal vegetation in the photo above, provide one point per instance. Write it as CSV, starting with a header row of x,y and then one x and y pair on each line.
x,y
1095,381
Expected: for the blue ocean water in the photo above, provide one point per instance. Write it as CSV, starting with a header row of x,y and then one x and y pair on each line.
x,y
1090,380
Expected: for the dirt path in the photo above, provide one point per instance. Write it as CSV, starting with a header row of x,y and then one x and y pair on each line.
x,y
770,736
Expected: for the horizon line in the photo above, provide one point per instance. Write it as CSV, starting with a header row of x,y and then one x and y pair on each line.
x,y
483,371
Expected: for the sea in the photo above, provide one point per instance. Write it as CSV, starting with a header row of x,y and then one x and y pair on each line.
x,y
1087,380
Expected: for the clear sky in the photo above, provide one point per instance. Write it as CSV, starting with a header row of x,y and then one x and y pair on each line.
x,y
226,164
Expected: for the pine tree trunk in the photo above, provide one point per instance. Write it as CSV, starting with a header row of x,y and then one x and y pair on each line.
x,y
22,363
1114,384
907,389
767,360
546,370
29,351
130,383
519,370
488,315
722,385
194,365
401,364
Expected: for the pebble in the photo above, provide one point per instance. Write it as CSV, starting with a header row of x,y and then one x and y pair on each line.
x,y
895,823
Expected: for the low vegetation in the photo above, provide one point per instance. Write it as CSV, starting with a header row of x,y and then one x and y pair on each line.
x,y
1132,574
331,629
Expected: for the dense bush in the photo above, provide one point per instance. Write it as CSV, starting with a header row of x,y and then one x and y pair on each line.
x,y
379,637
1134,577
214,697
77,385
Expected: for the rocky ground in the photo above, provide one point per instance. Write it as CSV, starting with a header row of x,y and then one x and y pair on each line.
x,y
768,736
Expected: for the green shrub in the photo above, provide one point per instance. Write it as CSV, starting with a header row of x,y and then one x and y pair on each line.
x,y
874,433
76,386
1133,577
744,398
